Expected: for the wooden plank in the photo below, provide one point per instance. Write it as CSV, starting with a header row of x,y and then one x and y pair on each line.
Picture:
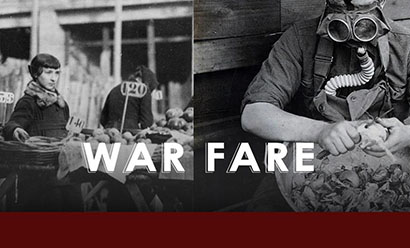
x,y
12,6
219,94
84,16
405,23
296,10
136,41
20,21
222,54
397,9
233,18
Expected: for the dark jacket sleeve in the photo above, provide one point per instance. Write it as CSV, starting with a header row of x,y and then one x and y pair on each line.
x,y
66,112
145,116
22,116
104,113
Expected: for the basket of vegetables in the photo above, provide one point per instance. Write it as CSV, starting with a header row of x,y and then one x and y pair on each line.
x,y
351,182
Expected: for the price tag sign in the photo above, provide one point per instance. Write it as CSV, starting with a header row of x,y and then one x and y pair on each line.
x,y
157,95
75,124
135,88
6,97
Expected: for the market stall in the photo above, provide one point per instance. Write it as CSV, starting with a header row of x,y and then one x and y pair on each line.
x,y
62,163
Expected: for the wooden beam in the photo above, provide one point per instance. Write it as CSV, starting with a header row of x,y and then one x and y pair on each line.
x,y
84,16
397,9
117,41
129,14
12,7
34,29
22,20
152,64
233,18
136,41
222,54
105,56
295,10
405,23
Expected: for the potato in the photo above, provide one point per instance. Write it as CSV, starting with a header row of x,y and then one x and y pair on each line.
x,y
128,136
161,123
93,141
173,113
188,114
117,138
113,132
103,138
98,131
176,123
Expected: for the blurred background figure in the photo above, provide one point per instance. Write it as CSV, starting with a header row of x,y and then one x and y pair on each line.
x,y
139,110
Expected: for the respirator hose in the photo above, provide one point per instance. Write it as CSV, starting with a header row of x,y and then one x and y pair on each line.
x,y
352,80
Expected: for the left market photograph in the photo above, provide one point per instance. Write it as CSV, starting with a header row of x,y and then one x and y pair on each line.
x,y
96,106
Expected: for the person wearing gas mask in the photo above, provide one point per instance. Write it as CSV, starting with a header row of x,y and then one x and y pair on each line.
x,y
42,111
324,76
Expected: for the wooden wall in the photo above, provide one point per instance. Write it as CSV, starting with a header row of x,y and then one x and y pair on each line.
x,y
231,39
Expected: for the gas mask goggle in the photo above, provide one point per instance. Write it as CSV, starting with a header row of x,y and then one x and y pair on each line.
x,y
342,25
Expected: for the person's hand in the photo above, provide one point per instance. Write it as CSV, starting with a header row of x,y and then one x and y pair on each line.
x,y
399,137
20,134
338,138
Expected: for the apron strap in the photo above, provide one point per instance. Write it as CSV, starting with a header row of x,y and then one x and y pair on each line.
x,y
384,50
323,61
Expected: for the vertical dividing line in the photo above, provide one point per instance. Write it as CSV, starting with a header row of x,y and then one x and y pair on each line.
x,y
34,28
152,64
117,41
151,54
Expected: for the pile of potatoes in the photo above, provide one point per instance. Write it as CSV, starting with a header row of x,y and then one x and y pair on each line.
x,y
177,119
112,135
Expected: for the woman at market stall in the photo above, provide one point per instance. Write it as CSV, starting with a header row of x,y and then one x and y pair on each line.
x,y
42,111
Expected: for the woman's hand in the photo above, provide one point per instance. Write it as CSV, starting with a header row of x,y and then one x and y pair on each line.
x,y
20,134
398,138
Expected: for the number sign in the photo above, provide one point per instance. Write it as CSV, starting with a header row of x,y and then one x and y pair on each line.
x,y
135,88
6,97
75,124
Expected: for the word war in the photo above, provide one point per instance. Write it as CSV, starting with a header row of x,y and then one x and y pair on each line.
x,y
139,158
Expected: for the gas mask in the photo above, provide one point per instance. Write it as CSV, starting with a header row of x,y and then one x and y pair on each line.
x,y
359,25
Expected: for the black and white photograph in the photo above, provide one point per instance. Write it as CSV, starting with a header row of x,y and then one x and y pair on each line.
x,y
329,75
109,74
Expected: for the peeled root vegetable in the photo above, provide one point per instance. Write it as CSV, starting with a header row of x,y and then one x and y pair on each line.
x,y
374,134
